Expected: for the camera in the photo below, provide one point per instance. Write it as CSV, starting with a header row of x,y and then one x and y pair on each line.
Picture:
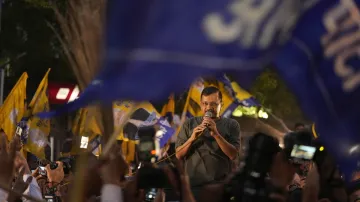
x,y
52,198
149,175
148,149
251,183
50,195
301,147
68,164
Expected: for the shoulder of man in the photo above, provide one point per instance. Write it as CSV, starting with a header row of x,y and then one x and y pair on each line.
x,y
193,120
231,121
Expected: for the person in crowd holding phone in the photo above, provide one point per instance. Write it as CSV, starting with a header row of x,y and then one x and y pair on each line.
x,y
208,144
299,127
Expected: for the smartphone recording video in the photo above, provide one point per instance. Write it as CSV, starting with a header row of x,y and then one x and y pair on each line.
x,y
42,170
303,152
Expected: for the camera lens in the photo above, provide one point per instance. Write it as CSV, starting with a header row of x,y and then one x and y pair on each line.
x,y
53,165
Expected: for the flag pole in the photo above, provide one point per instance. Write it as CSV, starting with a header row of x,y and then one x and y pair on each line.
x,y
2,71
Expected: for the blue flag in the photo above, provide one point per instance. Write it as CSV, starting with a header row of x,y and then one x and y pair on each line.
x,y
321,67
166,132
22,130
169,43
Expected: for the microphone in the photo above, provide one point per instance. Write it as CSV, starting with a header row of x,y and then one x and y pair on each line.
x,y
208,114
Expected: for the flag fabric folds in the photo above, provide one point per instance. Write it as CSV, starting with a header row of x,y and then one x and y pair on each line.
x,y
39,129
144,115
13,109
160,42
193,101
168,109
85,126
321,68
238,94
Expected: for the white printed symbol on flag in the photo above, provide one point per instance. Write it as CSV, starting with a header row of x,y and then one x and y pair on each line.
x,y
84,142
37,137
13,115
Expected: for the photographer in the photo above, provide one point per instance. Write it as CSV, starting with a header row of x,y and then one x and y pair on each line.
x,y
324,180
50,179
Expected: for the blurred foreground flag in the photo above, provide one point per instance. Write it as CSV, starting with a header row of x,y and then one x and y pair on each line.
x,y
169,43
13,109
39,129
321,67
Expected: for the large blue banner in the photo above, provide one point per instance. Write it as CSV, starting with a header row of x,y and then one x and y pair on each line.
x,y
155,48
321,65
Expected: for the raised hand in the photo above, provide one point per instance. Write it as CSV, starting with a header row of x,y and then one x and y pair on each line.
x,y
20,186
113,171
56,175
7,158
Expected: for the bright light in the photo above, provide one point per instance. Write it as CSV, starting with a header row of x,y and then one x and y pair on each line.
x,y
281,145
263,114
354,149
84,142
75,94
159,134
62,93
237,112
321,148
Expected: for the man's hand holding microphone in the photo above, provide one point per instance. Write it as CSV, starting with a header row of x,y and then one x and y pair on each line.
x,y
207,123
197,131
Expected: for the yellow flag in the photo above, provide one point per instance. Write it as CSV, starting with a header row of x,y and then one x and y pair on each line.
x,y
128,150
194,95
77,122
169,107
83,126
13,108
241,94
144,115
39,129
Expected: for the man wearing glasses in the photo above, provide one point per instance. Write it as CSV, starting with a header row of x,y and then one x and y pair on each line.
x,y
208,144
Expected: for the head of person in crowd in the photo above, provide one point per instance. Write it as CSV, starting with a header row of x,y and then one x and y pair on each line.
x,y
211,100
299,127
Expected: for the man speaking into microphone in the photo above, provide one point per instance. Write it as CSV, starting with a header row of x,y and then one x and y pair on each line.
x,y
208,144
